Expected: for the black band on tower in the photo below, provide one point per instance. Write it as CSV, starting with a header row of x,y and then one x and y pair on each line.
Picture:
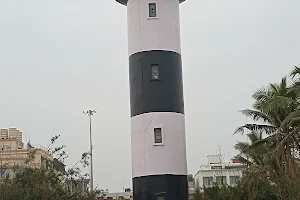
x,y
173,187
162,94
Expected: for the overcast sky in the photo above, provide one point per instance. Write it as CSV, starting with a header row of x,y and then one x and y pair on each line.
x,y
58,58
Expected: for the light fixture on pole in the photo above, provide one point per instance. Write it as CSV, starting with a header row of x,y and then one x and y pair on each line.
x,y
90,113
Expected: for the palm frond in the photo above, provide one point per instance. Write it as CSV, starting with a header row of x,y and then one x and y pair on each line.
x,y
292,116
283,85
272,95
241,146
261,95
268,140
279,103
274,88
256,115
296,71
254,136
263,128
295,88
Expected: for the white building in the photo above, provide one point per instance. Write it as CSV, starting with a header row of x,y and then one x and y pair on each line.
x,y
218,172
126,195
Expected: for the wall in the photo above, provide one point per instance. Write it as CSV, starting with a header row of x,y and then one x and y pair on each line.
x,y
161,33
214,173
15,159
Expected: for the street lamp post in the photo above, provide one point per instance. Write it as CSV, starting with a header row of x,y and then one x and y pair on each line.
x,y
90,113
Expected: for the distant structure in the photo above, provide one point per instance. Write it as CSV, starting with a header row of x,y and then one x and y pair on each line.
x,y
191,186
79,185
126,195
11,138
159,165
216,172
14,157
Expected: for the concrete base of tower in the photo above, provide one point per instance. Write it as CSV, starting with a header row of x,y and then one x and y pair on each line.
x,y
171,187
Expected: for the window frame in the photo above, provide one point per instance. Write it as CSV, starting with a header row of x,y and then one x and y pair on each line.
x,y
210,181
154,135
156,11
221,180
162,194
151,72
6,147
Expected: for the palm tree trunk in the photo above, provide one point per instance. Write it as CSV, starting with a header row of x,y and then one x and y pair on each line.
x,y
285,160
291,164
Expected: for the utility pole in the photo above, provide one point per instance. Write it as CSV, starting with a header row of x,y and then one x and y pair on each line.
x,y
90,113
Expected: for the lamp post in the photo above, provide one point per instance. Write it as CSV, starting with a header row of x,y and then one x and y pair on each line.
x,y
90,113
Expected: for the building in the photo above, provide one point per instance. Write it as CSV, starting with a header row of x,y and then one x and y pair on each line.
x,y
127,195
191,186
159,164
217,172
80,185
14,157
11,138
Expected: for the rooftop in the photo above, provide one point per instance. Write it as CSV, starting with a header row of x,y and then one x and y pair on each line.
x,y
215,163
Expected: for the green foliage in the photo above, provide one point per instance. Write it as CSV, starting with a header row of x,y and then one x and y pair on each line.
x,y
274,134
224,193
47,183
257,184
37,184
276,117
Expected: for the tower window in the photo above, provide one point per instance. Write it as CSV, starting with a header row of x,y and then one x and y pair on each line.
x,y
154,72
152,10
160,197
157,135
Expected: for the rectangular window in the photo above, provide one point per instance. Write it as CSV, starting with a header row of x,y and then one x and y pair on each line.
x,y
160,197
154,72
216,167
234,180
221,180
152,10
208,181
6,147
157,136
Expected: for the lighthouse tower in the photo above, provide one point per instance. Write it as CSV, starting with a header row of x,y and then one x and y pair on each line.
x,y
158,143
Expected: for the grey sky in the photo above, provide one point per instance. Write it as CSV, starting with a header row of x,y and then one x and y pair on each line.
x,y
58,58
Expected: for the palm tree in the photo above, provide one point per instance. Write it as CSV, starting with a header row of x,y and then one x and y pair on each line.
x,y
295,75
250,155
277,116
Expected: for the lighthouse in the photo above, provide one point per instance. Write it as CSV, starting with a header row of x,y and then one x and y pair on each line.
x,y
158,143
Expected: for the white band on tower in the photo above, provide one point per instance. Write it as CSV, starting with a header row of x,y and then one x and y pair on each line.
x,y
153,33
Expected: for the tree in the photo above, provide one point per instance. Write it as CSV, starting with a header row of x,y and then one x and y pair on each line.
x,y
273,171
250,155
198,195
276,113
47,183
